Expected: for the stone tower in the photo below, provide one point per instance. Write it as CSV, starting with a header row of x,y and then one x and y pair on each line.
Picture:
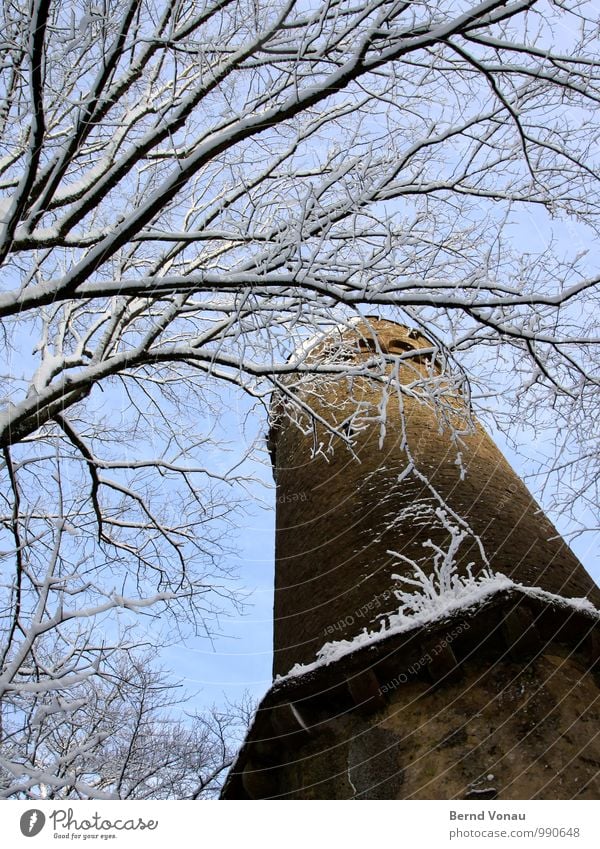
x,y
485,699
341,510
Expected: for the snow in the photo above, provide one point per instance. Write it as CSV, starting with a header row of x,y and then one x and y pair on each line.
x,y
474,591
50,365
583,604
6,208
304,347
433,590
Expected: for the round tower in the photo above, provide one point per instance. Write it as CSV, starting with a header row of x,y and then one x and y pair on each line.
x,y
492,697
393,470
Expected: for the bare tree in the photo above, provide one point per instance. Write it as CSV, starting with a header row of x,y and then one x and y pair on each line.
x,y
114,735
190,188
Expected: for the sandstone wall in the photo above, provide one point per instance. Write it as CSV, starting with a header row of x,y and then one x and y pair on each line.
x,y
506,731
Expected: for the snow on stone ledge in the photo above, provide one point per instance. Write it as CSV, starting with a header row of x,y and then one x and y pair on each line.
x,y
471,593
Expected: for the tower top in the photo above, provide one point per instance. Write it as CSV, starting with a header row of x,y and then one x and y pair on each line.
x,y
360,335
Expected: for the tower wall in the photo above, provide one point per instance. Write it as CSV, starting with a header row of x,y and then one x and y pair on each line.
x,y
494,700
340,511
502,731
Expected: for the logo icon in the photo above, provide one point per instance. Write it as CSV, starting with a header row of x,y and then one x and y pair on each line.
x,y
32,822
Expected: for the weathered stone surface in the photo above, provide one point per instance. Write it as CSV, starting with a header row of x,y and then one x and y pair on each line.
x,y
528,727
417,729
507,731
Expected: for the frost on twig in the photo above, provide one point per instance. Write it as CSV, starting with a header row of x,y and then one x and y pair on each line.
x,y
432,591
117,733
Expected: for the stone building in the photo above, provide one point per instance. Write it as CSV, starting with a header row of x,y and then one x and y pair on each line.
x,y
488,689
